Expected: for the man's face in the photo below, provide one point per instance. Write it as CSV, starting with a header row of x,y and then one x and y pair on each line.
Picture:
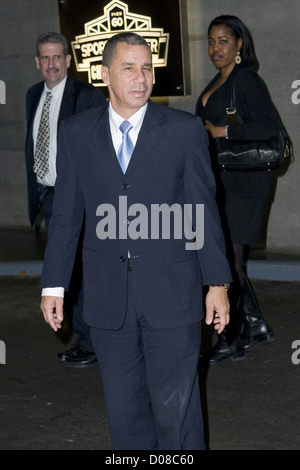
x,y
129,79
52,63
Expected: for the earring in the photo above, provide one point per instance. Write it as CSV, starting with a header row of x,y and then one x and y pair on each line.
x,y
238,59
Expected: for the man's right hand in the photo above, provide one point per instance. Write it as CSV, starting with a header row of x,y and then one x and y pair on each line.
x,y
52,308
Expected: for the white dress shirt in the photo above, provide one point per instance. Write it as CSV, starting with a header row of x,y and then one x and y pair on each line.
x,y
136,120
57,93
115,120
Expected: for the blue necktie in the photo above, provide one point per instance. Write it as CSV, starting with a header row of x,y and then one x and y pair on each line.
x,y
126,148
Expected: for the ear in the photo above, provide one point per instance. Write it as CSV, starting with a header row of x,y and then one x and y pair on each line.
x,y
37,63
240,43
105,75
68,60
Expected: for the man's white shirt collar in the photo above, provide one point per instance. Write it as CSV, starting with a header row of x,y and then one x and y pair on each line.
x,y
136,120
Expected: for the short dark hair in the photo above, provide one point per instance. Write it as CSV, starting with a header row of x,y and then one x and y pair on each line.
x,y
132,39
52,38
240,31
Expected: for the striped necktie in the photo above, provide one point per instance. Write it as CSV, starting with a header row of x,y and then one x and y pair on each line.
x,y
126,148
41,157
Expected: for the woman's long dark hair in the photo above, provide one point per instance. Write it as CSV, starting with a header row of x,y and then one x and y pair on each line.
x,y
240,31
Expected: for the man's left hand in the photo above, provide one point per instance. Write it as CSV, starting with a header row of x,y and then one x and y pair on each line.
x,y
217,308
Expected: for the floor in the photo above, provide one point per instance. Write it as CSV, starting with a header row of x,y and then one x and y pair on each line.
x,y
251,404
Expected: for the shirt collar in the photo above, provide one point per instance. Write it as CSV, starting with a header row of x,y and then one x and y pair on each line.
x,y
135,120
58,88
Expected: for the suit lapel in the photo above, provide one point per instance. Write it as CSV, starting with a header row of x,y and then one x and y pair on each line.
x,y
100,139
32,106
35,99
67,102
149,135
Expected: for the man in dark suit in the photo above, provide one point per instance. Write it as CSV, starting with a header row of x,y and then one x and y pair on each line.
x,y
142,279
68,96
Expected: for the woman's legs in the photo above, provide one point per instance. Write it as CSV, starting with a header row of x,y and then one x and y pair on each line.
x,y
244,310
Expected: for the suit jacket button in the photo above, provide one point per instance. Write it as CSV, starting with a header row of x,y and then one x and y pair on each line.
x,y
125,186
122,259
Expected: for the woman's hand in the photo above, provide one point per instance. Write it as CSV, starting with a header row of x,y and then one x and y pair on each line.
x,y
215,131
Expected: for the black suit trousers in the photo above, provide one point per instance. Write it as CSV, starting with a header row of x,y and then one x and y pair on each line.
x,y
150,381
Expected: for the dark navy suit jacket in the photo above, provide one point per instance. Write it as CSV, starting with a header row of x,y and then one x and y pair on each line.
x,y
170,165
78,96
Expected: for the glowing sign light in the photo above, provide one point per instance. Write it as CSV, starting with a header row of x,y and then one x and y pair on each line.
x,y
88,25
88,48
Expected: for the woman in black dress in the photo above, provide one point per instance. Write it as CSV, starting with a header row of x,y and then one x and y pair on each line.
x,y
242,196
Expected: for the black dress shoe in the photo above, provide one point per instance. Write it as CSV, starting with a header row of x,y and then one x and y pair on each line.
x,y
64,355
222,351
77,357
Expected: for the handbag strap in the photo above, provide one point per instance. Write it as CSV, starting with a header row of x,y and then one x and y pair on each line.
x,y
232,95
231,115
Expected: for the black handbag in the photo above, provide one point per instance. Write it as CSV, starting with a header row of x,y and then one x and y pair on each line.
x,y
244,155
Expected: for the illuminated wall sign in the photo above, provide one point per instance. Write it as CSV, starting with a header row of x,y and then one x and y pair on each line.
x,y
88,48
161,31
